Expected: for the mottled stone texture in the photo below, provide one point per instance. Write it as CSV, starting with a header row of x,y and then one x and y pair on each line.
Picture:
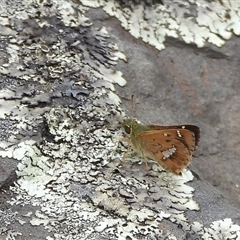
x,y
61,176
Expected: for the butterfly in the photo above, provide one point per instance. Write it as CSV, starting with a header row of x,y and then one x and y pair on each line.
x,y
171,146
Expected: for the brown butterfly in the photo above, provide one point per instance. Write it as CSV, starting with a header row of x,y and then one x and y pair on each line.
x,y
171,146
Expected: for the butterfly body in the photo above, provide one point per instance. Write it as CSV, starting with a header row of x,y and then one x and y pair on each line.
x,y
171,146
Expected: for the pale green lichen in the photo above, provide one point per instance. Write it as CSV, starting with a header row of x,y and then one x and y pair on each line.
x,y
194,21
73,174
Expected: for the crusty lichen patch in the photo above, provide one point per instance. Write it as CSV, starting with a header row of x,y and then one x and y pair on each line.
x,y
76,173
60,99
194,21
221,229
7,217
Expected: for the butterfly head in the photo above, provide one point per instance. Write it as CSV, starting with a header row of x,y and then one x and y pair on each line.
x,y
132,127
129,125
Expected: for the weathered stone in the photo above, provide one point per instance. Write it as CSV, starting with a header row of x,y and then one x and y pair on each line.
x,y
8,175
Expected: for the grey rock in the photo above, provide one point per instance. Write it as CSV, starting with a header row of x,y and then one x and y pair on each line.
x,y
8,175
58,110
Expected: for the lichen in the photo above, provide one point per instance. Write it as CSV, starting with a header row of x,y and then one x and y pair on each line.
x,y
193,21
7,217
64,112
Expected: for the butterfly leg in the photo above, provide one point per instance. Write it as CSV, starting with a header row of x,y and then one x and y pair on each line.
x,y
124,139
146,161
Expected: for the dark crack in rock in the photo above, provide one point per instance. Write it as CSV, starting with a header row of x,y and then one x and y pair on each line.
x,y
131,3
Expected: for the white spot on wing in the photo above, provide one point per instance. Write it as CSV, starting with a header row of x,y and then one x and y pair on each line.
x,y
169,152
179,134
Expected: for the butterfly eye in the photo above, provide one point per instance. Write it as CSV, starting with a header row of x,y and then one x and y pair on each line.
x,y
127,129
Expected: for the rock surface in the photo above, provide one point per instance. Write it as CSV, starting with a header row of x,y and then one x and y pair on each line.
x,y
60,167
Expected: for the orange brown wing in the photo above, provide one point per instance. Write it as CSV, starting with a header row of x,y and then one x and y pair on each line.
x,y
192,128
171,148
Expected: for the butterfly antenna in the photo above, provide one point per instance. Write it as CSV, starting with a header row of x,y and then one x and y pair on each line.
x,y
133,110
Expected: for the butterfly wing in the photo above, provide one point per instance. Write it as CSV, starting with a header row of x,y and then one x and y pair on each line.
x,y
171,147
193,129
